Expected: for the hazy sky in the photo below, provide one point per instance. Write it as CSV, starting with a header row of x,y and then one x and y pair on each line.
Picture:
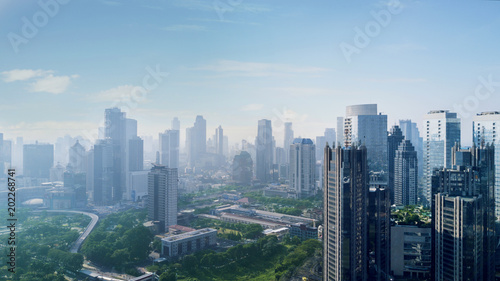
x,y
238,61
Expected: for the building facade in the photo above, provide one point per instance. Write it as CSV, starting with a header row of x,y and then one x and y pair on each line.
x,y
302,174
162,196
187,243
405,174
345,218
264,151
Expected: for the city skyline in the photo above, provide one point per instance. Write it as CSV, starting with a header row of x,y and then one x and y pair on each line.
x,y
259,75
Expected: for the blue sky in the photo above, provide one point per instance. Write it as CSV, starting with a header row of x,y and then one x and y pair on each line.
x,y
238,61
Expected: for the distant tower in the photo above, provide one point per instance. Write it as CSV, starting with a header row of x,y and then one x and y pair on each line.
x,y
196,140
136,154
37,160
288,140
77,157
345,214
103,172
442,132
219,141
169,148
411,133
264,147
303,167
162,196
243,168
176,124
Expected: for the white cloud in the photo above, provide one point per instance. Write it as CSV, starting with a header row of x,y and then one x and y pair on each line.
x,y
258,69
184,27
252,107
120,93
22,74
52,84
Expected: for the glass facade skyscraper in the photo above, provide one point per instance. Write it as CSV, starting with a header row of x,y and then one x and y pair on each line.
x,y
441,132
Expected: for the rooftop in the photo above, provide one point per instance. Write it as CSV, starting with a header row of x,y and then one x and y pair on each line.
x,y
189,234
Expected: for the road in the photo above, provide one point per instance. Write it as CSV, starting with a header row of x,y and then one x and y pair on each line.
x,y
85,234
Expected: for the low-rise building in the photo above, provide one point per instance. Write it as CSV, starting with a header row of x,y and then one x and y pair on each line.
x,y
303,231
411,252
189,242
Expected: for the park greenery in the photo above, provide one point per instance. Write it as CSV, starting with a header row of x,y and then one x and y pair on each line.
x,y
291,203
120,240
43,242
412,215
265,259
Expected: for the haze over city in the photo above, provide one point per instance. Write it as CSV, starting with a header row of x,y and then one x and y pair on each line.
x,y
238,64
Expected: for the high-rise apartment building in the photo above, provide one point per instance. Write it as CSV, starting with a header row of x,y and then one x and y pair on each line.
x,y
302,176
162,196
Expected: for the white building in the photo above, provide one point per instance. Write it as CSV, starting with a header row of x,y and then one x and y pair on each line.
x,y
302,173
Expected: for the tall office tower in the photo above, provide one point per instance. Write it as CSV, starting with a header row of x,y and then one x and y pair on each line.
x,y
196,140
38,159
176,124
77,157
281,163
288,140
379,226
411,133
345,214
364,126
103,172
243,168
219,141
135,154
464,231
484,132
442,131
459,237
303,167
264,151
115,130
340,132
162,196
394,138
169,148
405,174
330,136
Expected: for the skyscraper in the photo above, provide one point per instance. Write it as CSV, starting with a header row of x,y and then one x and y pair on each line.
x,y
37,160
303,167
379,226
219,141
169,148
176,124
103,172
162,196
484,132
442,131
345,218
77,157
364,126
135,154
463,221
196,140
115,130
405,174
288,140
243,168
394,138
411,133
340,132
264,151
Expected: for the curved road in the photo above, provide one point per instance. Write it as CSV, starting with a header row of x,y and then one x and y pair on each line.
x,y
87,231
